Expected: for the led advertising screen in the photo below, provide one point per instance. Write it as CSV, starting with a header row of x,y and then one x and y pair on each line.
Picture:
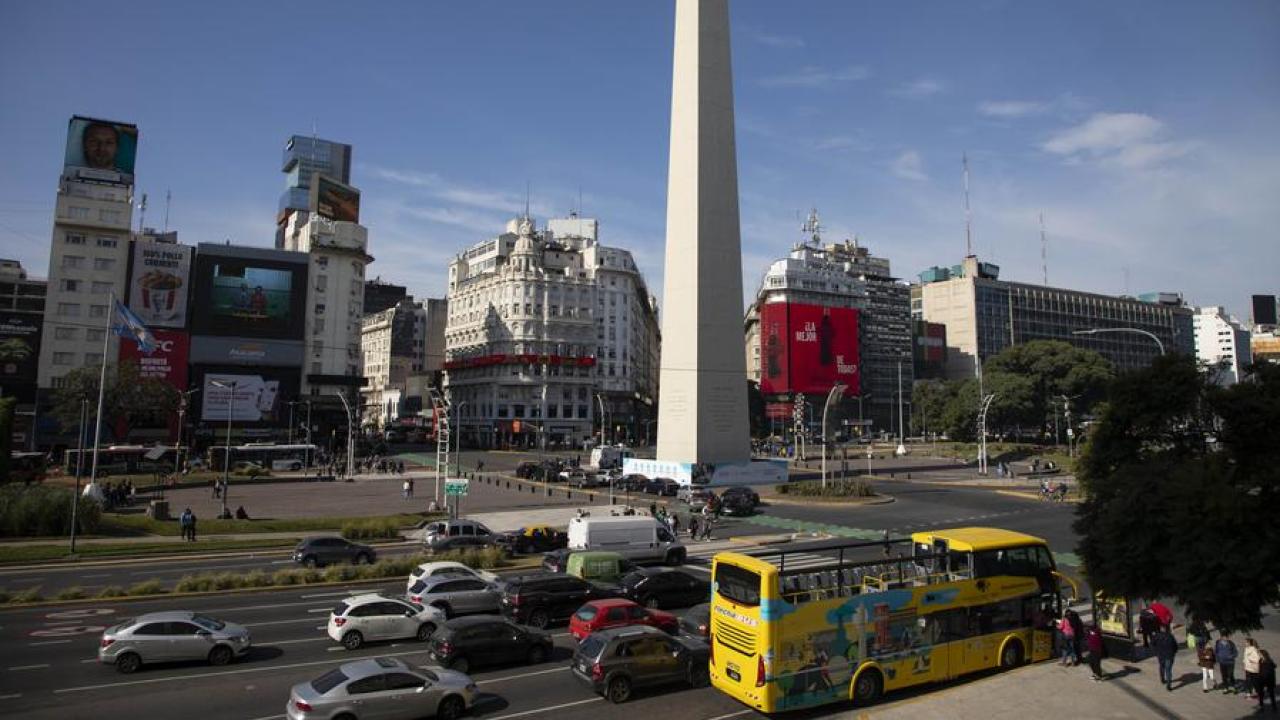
x,y
248,397
246,297
101,149
159,283
168,362
19,348
333,200
808,349
1264,309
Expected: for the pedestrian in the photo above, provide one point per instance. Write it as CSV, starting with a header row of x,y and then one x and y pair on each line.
x,y
675,524
1147,624
693,527
706,524
192,527
1165,648
653,509
1207,660
1093,638
888,547
1077,634
410,481
1225,650
184,523
1197,635
216,484
1070,653
479,466
1252,658
1266,681
404,489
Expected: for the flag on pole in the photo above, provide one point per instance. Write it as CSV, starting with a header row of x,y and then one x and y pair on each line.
x,y
131,327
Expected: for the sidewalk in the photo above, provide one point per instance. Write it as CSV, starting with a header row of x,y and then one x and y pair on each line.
x,y
1048,690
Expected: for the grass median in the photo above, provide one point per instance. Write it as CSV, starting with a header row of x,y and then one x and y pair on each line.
x,y
12,554
143,525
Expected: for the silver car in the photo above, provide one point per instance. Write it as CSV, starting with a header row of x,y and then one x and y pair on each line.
x,y
172,636
457,595
384,688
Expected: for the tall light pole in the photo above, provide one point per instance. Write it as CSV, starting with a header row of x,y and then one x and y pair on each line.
x,y
177,451
603,423
457,443
75,497
902,438
226,460
1095,331
350,435
982,433
826,407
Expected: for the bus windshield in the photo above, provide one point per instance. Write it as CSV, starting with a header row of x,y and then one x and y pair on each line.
x,y
737,584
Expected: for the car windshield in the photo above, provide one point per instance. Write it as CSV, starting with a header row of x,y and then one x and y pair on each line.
x,y
328,681
591,647
122,625
632,579
207,622
586,612
340,609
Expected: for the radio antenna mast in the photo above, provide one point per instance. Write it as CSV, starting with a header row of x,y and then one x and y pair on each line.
x,y
968,217
168,196
1044,252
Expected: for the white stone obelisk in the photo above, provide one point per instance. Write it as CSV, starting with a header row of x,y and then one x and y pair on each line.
x,y
702,402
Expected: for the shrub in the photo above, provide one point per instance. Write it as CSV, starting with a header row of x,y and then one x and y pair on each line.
x,y
370,529
843,488
194,583
227,581
256,579
5,597
287,577
42,511
111,591
71,593
146,587
30,595
341,573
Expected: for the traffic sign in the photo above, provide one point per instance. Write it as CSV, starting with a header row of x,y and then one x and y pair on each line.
x,y
456,486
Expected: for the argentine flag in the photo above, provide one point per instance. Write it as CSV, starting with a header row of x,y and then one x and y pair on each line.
x,y
131,327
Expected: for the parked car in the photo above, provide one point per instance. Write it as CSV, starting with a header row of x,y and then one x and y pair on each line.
x,y
533,538
585,479
696,621
446,568
664,588
631,483
615,662
740,491
527,468
540,599
662,486
171,636
697,498
737,505
618,612
382,688
464,643
325,550
457,535
457,595
371,616
597,566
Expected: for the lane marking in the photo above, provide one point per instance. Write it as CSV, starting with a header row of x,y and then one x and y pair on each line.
x,y
522,675
48,642
274,606
10,697
291,642
201,676
547,709
318,610
327,594
280,622
41,666
736,714
96,575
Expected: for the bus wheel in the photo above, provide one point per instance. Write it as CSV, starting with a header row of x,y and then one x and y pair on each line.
x,y
1011,656
867,687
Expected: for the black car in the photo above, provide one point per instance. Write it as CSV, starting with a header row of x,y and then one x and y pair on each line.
x,y
535,538
662,486
540,599
660,587
737,506
467,642
630,483
526,469
614,662
740,491
317,551
696,621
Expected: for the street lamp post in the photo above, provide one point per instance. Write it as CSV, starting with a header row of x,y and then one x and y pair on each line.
x,y
226,459
1095,331
75,497
982,433
350,434
826,408
177,451
603,421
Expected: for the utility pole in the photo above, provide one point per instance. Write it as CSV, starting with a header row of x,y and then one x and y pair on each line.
x,y
902,438
826,407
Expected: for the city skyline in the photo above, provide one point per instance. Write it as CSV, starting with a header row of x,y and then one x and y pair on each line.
x,y
1103,119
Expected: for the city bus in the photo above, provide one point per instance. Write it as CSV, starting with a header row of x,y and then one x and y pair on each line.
x,y
268,455
123,460
788,635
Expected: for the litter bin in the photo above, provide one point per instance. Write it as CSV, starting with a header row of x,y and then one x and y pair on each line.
x,y
158,510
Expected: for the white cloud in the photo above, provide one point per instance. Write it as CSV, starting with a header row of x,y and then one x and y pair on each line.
x,y
814,76
1126,140
840,142
1012,108
909,166
922,88
774,40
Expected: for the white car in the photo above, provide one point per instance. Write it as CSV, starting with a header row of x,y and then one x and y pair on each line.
x,y
361,618
445,567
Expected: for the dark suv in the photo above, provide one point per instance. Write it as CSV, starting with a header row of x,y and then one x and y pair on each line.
x,y
316,551
540,599
613,662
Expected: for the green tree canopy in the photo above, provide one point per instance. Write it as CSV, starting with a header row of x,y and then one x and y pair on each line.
x,y
1181,488
129,397
1046,370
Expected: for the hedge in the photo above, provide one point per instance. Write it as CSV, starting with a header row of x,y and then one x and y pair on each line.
x,y
44,511
834,488
370,529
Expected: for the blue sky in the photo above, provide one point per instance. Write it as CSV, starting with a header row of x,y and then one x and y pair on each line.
x,y
1144,131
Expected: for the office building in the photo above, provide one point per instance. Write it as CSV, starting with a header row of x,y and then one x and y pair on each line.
x,y
403,348
380,295
1222,343
22,300
984,315
306,158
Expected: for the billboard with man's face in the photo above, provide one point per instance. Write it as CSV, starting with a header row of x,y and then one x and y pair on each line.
x,y
159,283
101,149
333,200
808,349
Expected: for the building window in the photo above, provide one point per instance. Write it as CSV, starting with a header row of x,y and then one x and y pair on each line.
x,y
104,264
70,285
72,262
64,333
93,358
316,367
322,283
322,261
97,311
109,216
75,239
92,334
69,309
318,328
107,242
102,288
63,358
78,213
319,308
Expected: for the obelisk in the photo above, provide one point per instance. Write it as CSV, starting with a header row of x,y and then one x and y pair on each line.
x,y
702,401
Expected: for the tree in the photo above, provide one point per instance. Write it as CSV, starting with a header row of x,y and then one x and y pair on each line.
x,y
1181,486
1046,370
129,398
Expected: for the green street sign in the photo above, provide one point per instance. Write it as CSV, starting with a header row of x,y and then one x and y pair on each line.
x,y
456,487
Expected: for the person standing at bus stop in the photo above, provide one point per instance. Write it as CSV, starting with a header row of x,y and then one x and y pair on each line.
x,y
1077,634
1165,647
1093,638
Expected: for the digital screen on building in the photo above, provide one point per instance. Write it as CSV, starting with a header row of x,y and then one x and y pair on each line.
x,y
257,397
1264,309
101,149
249,298
808,349
19,347
333,200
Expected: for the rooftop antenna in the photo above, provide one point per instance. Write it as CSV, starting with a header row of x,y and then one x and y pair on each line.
x,y
142,213
168,197
1044,251
968,218
812,227
527,189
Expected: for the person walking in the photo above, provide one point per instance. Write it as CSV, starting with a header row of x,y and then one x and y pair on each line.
x,y
184,523
1165,648
1077,634
1070,655
1197,634
693,527
1147,624
410,481
1207,659
1225,650
1252,660
404,489
1266,680
192,527
1093,639
675,524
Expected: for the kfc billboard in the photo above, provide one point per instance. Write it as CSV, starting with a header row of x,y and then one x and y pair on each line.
x,y
159,283
167,363
808,349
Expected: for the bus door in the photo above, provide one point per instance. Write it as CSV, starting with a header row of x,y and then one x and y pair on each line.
x,y
947,631
980,641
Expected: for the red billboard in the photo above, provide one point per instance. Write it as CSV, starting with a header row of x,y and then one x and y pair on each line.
x,y
169,360
808,349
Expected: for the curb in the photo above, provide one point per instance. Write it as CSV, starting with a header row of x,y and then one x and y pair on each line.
x,y
880,499
136,559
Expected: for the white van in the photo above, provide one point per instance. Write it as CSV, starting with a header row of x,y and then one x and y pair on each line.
x,y
639,539
609,456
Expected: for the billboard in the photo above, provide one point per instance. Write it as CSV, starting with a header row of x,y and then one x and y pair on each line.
x,y
167,363
159,283
248,397
334,200
101,150
808,349
210,350
19,348
248,297
1264,310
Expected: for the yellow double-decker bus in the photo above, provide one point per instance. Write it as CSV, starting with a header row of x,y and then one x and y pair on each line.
x,y
791,631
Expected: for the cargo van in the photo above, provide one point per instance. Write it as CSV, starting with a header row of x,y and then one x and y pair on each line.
x,y
598,566
639,539
610,456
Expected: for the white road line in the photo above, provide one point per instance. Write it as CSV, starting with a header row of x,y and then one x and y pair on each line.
x,y
327,594
201,676
292,642
49,642
96,575
41,666
90,660
522,675
546,709
280,622
274,606
318,610
336,649
699,568
10,697
736,714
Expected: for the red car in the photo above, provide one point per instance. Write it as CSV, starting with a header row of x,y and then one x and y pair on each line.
x,y
617,612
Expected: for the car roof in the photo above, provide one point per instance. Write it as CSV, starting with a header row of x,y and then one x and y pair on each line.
x,y
441,565
630,631
168,615
372,666
611,602
470,620
368,598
